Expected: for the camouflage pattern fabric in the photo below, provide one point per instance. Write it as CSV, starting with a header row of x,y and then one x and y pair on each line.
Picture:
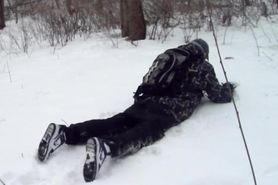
x,y
187,88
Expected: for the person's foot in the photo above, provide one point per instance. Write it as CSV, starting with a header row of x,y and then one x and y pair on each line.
x,y
96,153
53,138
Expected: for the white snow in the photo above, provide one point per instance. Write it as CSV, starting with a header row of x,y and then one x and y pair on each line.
x,y
90,79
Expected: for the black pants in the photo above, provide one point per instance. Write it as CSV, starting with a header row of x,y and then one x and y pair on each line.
x,y
125,132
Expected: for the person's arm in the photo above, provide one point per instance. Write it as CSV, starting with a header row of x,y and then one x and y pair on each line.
x,y
218,93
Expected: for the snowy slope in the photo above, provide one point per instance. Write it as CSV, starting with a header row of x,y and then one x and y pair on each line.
x,y
90,79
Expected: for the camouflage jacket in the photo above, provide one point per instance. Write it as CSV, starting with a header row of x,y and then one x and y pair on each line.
x,y
187,89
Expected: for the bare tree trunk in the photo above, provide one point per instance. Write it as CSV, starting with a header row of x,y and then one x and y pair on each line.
x,y
246,3
2,18
70,7
16,11
227,13
264,9
133,23
137,24
124,18
99,7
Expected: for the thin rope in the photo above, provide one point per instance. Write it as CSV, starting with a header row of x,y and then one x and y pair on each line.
x,y
2,182
233,100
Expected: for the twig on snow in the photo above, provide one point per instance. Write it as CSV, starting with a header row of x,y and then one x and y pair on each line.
x,y
65,122
9,71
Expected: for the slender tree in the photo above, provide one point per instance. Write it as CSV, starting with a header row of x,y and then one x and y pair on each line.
x,y
124,18
264,9
2,18
133,23
246,2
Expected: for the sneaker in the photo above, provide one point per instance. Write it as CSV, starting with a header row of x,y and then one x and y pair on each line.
x,y
53,138
96,152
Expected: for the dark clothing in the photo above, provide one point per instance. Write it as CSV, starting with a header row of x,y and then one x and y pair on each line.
x,y
189,84
126,132
159,104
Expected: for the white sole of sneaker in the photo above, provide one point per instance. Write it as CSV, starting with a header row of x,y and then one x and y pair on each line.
x,y
48,142
91,164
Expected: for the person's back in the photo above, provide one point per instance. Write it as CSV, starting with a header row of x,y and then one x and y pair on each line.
x,y
179,90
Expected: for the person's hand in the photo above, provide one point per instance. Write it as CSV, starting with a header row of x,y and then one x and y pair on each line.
x,y
230,85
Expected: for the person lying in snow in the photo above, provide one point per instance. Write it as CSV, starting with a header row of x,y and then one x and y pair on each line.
x,y
170,92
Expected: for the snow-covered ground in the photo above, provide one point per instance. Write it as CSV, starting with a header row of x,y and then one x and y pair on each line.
x,y
90,79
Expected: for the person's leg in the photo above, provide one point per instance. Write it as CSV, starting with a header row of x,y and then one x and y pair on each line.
x,y
143,134
97,149
57,135
146,128
79,133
